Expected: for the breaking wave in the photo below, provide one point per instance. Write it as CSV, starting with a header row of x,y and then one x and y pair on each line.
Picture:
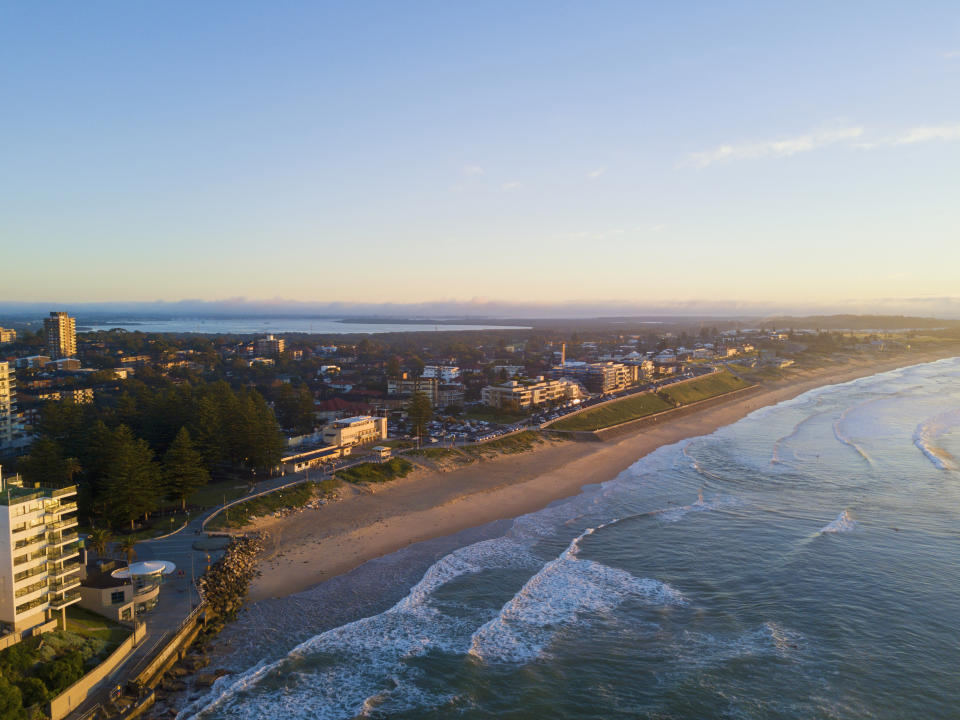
x,y
843,523
926,434
557,596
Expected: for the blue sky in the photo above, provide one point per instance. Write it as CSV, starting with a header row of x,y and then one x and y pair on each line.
x,y
535,152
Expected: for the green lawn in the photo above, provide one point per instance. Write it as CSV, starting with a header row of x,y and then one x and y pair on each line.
x,y
509,445
643,404
377,472
213,494
90,625
294,497
614,413
705,387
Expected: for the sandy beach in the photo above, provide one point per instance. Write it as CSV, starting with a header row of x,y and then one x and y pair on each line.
x,y
309,547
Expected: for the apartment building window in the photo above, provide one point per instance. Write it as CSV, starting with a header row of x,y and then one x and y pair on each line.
x,y
117,597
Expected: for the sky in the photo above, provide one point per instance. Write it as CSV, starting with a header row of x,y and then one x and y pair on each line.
x,y
537,152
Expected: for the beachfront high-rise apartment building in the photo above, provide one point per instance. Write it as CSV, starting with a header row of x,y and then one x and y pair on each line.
x,y
8,397
61,332
39,553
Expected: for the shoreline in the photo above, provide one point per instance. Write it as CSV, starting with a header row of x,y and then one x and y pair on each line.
x,y
307,548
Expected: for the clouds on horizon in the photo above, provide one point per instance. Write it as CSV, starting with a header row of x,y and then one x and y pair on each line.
x,y
787,147
784,147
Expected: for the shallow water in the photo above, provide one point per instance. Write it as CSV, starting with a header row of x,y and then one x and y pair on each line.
x,y
801,563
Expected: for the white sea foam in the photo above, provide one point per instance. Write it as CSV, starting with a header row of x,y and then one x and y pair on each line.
x,y
369,651
926,434
844,523
838,433
769,639
557,596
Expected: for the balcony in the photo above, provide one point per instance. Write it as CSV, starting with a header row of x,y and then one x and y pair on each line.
x,y
55,539
63,508
56,572
62,553
28,542
26,607
63,524
65,585
31,589
62,602
32,572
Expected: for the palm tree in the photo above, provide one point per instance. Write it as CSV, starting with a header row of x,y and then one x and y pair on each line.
x,y
99,539
127,547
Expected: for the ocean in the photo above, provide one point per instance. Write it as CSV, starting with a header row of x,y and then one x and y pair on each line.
x,y
803,562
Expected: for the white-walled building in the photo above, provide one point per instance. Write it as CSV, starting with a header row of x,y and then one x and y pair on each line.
x,y
38,553
359,430
8,398
444,373
61,335
514,395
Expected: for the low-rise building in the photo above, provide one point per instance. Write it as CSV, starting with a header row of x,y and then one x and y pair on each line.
x,y
353,431
298,462
600,377
444,373
517,395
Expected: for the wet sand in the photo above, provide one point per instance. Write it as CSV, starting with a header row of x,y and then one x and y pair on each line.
x,y
314,545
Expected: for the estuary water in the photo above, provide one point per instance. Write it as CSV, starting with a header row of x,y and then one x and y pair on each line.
x,y
801,563
263,325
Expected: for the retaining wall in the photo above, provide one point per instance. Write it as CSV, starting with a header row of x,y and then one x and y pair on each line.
x,y
64,703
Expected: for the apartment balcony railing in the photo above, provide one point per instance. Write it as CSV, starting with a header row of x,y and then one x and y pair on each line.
x,y
62,602
30,573
30,589
64,585
59,571
33,604
61,538
63,524
28,541
63,552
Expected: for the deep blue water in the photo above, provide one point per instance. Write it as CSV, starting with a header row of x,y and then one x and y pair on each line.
x,y
801,563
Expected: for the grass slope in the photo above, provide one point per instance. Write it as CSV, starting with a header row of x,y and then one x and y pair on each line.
x,y
638,406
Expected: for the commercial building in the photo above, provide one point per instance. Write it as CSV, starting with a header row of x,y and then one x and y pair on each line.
x,y
517,395
61,332
269,346
7,335
8,398
359,430
444,373
602,377
38,553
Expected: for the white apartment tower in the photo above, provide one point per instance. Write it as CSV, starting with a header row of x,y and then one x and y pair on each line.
x,y
39,553
8,397
61,332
